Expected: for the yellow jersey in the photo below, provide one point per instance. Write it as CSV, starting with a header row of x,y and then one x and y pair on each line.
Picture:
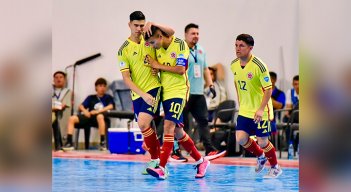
x,y
251,81
174,85
131,57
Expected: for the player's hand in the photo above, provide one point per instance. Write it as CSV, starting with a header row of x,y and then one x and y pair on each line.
x,y
150,100
87,114
154,71
213,91
151,61
147,28
258,116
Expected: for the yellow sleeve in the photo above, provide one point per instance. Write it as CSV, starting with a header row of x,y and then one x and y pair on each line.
x,y
183,55
123,61
265,79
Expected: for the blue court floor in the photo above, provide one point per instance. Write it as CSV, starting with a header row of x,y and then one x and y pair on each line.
x,y
101,175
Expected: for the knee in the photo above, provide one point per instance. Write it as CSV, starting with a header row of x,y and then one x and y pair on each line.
x,y
241,139
143,125
262,142
100,117
179,132
72,119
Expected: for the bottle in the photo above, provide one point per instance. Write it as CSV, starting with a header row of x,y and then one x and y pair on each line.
x,y
291,151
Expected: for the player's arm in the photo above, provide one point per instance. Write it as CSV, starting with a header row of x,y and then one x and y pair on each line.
x,y
207,76
259,113
178,69
164,28
128,81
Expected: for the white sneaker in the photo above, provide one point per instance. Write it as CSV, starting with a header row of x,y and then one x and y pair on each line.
x,y
261,161
274,172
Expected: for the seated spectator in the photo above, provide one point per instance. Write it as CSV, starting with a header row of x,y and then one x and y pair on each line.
x,y
278,97
61,101
278,101
292,103
92,110
217,74
292,98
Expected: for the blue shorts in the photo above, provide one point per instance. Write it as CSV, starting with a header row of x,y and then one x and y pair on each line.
x,y
262,129
140,105
173,109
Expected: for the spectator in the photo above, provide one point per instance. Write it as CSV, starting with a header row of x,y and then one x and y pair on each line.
x,y
278,101
61,101
92,108
292,97
217,75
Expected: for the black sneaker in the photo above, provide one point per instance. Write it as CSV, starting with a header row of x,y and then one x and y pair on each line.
x,y
68,147
177,156
103,146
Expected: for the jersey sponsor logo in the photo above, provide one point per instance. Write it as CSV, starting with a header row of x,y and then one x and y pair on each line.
x,y
149,109
250,75
181,62
173,55
122,64
266,78
135,53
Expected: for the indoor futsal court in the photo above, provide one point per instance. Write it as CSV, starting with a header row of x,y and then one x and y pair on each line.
x,y
93,171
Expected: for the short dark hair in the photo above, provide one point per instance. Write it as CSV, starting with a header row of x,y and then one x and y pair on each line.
x,y
190,25
136,15
100,81
273,75
248,39
296,78
60,72
154,29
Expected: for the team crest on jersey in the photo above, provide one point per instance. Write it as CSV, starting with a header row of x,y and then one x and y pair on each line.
x,y
122,64
173,55
200,51
250,75
147,44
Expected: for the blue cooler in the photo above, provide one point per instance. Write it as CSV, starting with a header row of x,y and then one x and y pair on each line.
x,y
121,142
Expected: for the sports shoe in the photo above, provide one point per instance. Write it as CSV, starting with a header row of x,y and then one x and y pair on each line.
x,y
68,147
201,168
274,172
102,146
150,164
177,157
260,164
215,154
158,172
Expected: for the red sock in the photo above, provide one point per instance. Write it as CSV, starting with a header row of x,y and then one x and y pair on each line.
x,y
151,142
269,151
168,141
189,146
252,147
